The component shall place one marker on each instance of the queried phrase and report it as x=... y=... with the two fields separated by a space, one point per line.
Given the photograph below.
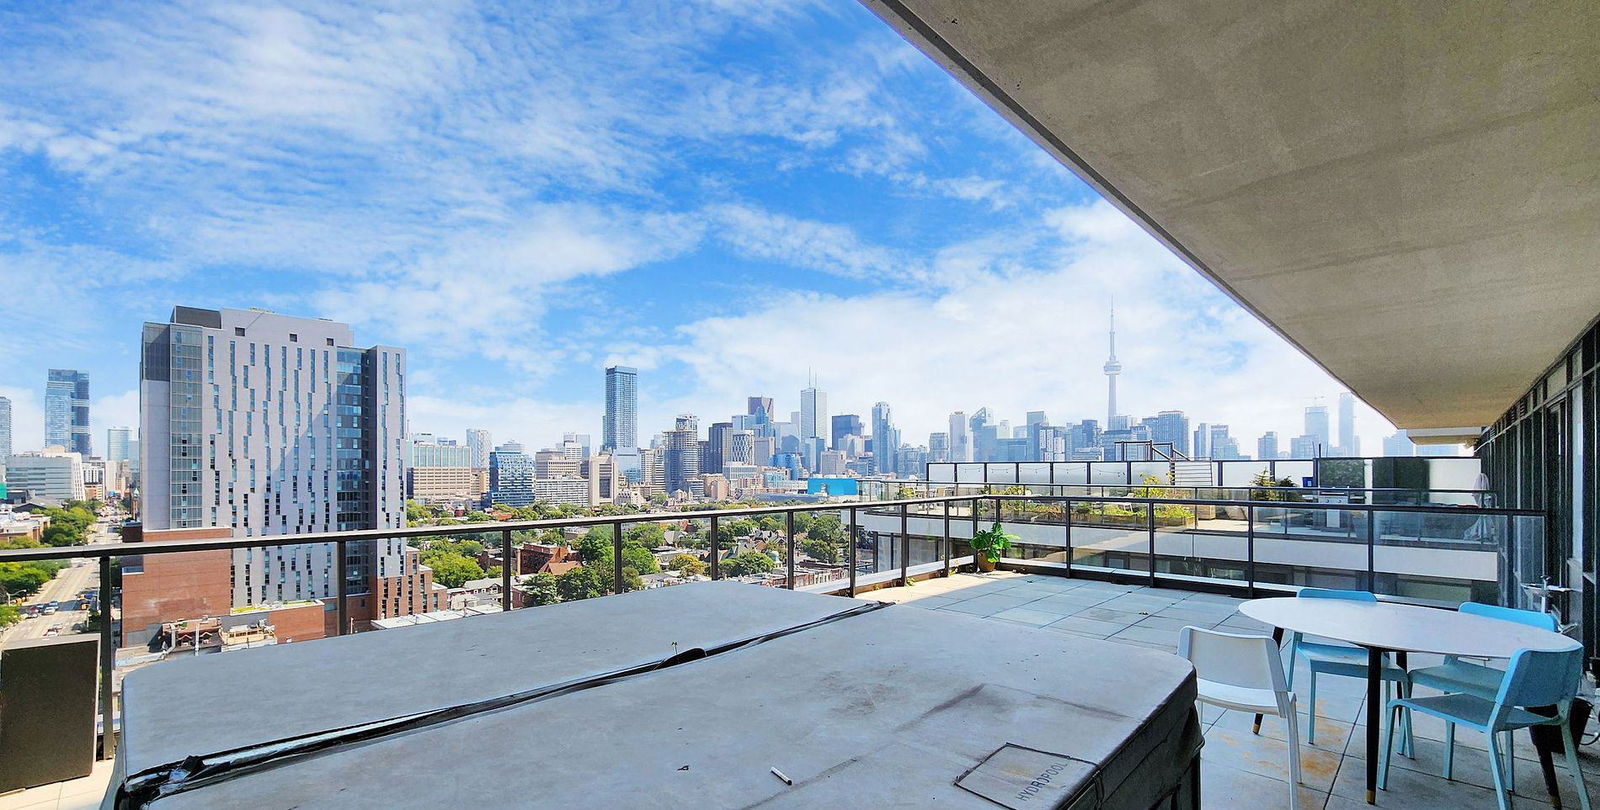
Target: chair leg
x=1495 y=768
x=1292 y=731
x=1511 y=763
x=1388 y=744
x=1449 y=750
x=1572 y=764
x=1311 y=711
x=1408 y=744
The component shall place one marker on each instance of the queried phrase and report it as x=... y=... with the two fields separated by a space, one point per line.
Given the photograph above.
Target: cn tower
x=1112 y=369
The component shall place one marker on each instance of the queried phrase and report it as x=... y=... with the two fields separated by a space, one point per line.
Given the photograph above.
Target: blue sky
x=723 y=193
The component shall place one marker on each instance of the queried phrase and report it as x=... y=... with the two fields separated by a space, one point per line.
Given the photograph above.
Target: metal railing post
x=851 y=550
x=616 y=557
x=507 y=558
x=788 y=533
x=341 y=549
x=1249 y=548
x=947 y=543
x=108 y=663
x=715 y=553
x=905 y=546
x=1372 y=539
x=974 y=527
x=1150 y=523
x=1066 y=518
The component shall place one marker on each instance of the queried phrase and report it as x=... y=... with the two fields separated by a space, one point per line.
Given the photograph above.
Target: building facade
x=49 y=473
x=268 y=425
x=66 y=411
x=621 y=427
x=5 y=427
x=511 y=474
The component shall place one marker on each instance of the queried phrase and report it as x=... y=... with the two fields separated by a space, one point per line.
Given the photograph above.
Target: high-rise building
x=1171 y=427
x=938 y=447
x=511 y=475
x=1399 y=445
x=760 y=407
x=5 y=428
x=1305 y=446
x=885 y=439
x=264 y=424
x=1112 y=369
x=844 y=424
x=960 y=437
x=118 y=441
x=1267 y=446
x=681 y=462
x=479 y=445
x=1202 y=441
x=1317 y=427
x=1349 y=442
x=1223 y=445
x=66 y=411
x=621 y=428
x=814 y=414
x=718 y=438
x=621 y=409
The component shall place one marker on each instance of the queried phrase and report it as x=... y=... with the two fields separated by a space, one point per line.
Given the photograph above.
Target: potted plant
x=988 y=545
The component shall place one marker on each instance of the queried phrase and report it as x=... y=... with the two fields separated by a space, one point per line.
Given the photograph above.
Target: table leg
x=1374 y=713
x=1277 y=640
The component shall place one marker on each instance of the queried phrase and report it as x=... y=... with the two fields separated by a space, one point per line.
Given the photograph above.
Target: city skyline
x=718 y=253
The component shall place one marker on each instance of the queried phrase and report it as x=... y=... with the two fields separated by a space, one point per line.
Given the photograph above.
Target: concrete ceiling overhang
x=1407 y=192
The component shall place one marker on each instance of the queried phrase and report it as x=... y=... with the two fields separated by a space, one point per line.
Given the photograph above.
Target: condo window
x=238 y=331
x=294 y=338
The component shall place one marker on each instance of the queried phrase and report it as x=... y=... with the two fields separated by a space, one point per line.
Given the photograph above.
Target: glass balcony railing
x=155 y=593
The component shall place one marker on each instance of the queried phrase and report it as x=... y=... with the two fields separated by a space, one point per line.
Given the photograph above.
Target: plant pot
x=983 y=563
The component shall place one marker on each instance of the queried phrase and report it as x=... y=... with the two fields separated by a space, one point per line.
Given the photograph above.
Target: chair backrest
x=1331 y=593
x=1539 y=678
x=1533 y=618
x=1235 y=659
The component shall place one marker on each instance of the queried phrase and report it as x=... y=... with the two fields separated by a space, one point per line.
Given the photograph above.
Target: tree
x=820 y=550
x=687 y=565
x=645 y=535
x=640 y=560
x=770 y=523
x=749 y=562
x=417 y=514
x=451 y=569
x=595 y=546
x=583 y=582
x=827 y=529
x=541 y=589
x=9 y=615
x=740 y=527
x=631 y=580
x=494 y=572
x=22 y=579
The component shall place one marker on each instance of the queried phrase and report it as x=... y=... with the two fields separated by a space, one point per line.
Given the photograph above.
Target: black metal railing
x=943 y=522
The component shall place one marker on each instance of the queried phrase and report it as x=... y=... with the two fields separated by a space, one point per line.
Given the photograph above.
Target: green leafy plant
x=992 y=543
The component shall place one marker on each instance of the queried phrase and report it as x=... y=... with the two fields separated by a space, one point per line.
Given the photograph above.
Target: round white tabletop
x=1406 y=628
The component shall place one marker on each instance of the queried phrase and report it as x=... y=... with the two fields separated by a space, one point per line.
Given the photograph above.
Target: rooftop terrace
x=1248 y=769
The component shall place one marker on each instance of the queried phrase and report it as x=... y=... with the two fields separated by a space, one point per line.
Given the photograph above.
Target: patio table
x=1382 y=627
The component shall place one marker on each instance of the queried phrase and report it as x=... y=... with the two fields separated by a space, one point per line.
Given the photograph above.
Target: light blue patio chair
x=1456 y=675
x=1341 y=659
x=1535 y=679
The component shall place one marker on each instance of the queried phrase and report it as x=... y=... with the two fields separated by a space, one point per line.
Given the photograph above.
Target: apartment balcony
x=1174 y=558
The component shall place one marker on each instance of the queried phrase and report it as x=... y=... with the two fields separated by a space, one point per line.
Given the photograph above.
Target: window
x=294 y=338
x=238 y=331
x=330 y=341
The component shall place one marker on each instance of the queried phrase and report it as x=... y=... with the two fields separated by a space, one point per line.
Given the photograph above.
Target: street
x=66 y=586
